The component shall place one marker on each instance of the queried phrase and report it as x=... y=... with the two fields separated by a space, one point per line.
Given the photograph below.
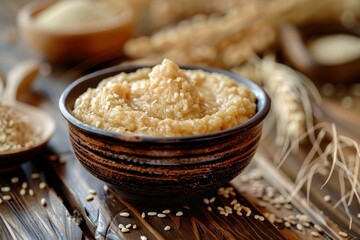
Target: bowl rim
x=27 y=13
x=263 y=103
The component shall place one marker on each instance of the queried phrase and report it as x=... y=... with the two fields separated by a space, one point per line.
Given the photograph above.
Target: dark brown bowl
x=162 y=166
x=294 y=39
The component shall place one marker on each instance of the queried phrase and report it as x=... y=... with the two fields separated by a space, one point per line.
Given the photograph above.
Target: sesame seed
x=92 y=191
x=6 y=197
x=239 y=213
x=179 y=213
x=42 y=185
x=35 y=175
x=134 y=226
x=287 y=224
x=121 y=226
x=327 y=198
x=143 y=215
x=167 y=228
x=152 y=213
x=318 y=228
x=315 y=234
x=256 y=216
x=43 y=201
x=31 y=192
x=209 y=208
x=89 y=198
x=5 y=189
x=166 y=211
x=161 y=215
x=24 y=185
x=206 y=200
x=106 y=188
x=22 y=192
x=220 y=208
x=299 y=227
x=14 y=180
x=128 y=226
x=212 y=199
x=306 y=224
x=125 y=230
x=343 y=234
x=279 y=220
x=143 y=238
x=261 y=218
x=124 y=214
x=186 y=207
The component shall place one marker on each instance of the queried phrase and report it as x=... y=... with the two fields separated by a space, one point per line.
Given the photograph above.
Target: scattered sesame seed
x=166 y=211
x=43 y=201
x=220 y=208
x=143 y=215
x=161 y=215
x=318 y=228
x=24 y=185
x=299 y=227
x=209 y=208
x=14 y=180
x=261 y=218
x=128 y=226
x=6 y=197
x=327 y=198
x=106 y=188
x=152 y=213
x=124 y=214
x=179 y=213
x=186 y=207
x=125 y=230
x=143 y=238
x=315 y=234
x=167 y=228
x=279 y=220
x=343 y=234
x=89 y=198
x=239 y=213
x=212 y=199
x=121 y=226
x=35 y=175
x=5 y=189
x=31 y=192
x=306 y=224
x=287 y=224
x=206 y=200
x=22 y=192
x=134 y=226
x=92 y=191
x=42 y=185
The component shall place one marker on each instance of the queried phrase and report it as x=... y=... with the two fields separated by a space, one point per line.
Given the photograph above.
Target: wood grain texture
x=68 y=215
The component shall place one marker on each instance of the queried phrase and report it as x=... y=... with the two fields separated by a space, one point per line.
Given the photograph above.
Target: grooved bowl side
x=162 y=166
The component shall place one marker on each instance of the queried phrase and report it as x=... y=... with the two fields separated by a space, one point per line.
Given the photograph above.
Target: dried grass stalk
x=228 y=40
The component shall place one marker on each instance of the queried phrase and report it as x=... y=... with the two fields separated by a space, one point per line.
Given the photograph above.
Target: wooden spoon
x=17 y=84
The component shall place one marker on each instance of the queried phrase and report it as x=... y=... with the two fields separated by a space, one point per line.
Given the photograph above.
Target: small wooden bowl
x=162 y=167
x=294 y=48
x=70 y=48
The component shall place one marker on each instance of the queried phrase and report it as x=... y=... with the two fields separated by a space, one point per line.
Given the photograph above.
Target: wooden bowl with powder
x=162 y=167
x=73 y=31
x=324 y=51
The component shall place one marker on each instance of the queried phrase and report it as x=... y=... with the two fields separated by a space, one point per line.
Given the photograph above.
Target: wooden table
x=79 y=206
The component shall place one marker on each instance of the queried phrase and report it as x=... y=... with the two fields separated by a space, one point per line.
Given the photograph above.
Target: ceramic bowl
x=162 y=166
x=294 y=40
x=69 y=47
